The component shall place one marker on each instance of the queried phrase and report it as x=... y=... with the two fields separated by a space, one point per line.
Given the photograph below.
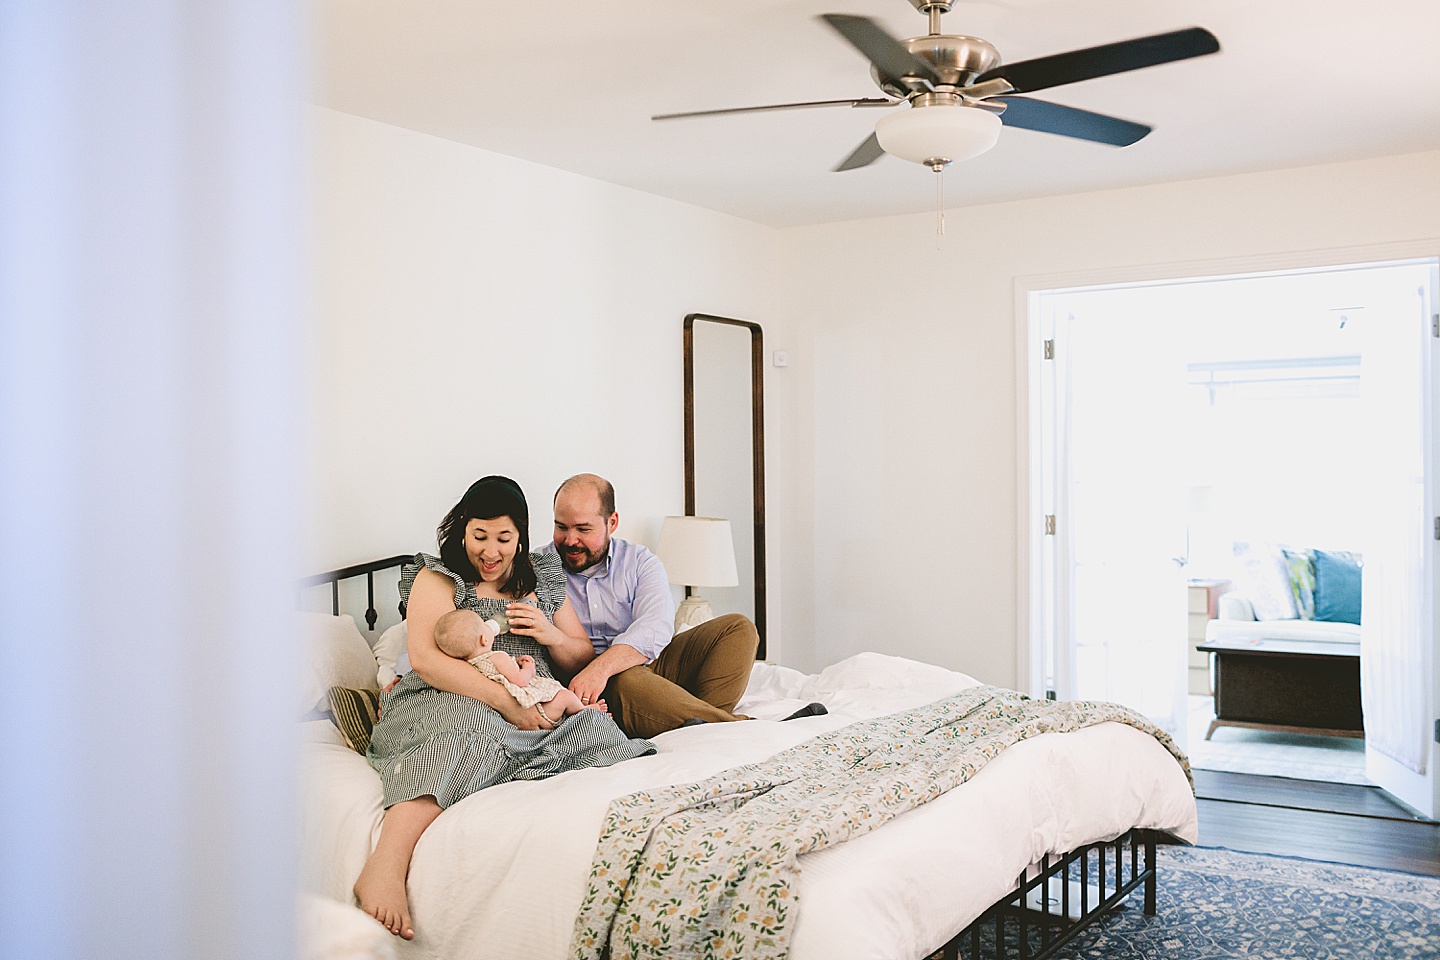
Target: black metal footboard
x=1048 y=910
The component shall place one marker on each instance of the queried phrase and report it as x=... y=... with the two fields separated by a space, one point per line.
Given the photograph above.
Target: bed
x=503 y=873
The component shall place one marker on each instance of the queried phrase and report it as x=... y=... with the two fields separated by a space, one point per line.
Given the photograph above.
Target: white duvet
x=501 y=874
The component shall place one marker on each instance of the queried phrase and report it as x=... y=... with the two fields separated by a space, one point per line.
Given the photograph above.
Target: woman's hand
x=524 y=718
x=529 y=621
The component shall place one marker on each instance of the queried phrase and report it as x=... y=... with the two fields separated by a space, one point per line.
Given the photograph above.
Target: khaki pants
x=702 y=673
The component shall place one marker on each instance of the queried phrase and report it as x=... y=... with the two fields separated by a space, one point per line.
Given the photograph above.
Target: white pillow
x=336 y=655
x=338 y=931
x=388 y=648
x=1266 y=581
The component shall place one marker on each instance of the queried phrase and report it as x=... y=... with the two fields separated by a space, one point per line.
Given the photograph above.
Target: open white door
x=1120 y=502
x=1399 y=672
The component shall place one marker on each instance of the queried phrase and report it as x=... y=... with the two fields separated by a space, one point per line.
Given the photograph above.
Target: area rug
x=1300 y=756
x=1218 y=905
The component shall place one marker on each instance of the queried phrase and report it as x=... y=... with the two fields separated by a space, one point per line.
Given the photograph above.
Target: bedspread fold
x=705 y=870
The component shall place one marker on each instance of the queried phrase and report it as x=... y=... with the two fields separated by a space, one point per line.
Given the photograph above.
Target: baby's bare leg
x=566 y=703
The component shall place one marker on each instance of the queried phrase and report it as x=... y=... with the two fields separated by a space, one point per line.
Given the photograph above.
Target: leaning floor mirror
x=725 y=450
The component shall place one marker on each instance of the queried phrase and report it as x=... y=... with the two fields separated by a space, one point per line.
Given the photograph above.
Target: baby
x=463 y=635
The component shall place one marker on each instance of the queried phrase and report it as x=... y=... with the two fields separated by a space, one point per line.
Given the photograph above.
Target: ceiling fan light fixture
x=938 y=134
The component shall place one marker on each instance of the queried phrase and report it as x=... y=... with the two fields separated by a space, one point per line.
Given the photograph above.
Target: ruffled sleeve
x=549 y=581
x=410 y=571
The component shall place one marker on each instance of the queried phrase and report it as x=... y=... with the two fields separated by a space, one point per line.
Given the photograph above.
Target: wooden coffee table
x=1294 y=686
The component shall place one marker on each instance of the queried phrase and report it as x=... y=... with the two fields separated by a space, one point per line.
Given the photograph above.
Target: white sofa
x=1236 y=621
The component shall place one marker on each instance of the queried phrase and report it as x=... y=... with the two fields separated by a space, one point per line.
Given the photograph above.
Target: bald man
x=651 y=682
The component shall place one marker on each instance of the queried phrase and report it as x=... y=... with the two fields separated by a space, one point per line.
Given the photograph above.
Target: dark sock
x=809 y=710
x=694 y=721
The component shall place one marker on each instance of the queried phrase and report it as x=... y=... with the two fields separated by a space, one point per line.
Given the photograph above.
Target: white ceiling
x=572 y=85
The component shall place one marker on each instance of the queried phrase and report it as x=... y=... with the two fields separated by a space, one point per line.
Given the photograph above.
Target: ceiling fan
x=959 y=93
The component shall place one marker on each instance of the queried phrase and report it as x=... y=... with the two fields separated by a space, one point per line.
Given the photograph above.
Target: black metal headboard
x=366 y=570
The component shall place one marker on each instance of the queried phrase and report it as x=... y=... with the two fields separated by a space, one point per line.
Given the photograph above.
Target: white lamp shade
x=698 y=551
x=940 y=132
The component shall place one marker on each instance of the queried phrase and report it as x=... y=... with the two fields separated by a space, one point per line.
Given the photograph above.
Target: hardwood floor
x=1301 y=795
x=1337 y=822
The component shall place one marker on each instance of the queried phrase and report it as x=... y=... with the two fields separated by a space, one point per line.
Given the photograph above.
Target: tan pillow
x=355 y=713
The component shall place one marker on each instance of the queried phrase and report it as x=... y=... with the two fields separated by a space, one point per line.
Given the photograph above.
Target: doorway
x=1187 y=432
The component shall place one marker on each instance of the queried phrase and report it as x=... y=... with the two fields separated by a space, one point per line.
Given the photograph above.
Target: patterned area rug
x=1299 y=756
x=1218 y=905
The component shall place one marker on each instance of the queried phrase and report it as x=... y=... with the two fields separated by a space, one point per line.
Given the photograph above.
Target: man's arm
x=651 y=628
x=653 y=611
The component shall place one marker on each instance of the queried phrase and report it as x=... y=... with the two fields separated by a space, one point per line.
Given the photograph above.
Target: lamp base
x=693 y=611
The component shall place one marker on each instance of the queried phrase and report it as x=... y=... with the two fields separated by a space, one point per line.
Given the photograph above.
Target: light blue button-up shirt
x=624 y=598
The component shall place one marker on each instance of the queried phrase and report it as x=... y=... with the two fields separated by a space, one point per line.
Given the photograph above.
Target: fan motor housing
x=958 y=60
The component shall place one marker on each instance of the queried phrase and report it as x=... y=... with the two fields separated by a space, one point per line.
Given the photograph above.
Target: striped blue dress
x=430 y=742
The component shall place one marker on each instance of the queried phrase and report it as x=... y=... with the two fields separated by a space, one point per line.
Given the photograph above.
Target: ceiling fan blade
x=863 y=155
x=889 y=55
x=1054 y=118
x=1102 y=61
x=862 y=102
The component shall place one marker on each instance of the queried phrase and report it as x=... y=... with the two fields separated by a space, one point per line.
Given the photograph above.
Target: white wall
x=482 y=314
x=905 y=421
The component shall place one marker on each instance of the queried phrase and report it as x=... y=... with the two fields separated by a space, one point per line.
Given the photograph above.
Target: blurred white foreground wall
x=151 y=178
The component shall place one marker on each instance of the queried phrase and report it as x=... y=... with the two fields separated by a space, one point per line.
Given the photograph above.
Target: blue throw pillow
x=1337 y=586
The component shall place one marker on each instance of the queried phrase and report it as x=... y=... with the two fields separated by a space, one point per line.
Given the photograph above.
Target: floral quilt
x=705 y=870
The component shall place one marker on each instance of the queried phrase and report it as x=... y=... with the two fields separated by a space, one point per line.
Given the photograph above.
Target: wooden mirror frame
x=757 y=452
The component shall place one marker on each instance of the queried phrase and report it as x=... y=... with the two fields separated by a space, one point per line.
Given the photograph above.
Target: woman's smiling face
x=491 y=546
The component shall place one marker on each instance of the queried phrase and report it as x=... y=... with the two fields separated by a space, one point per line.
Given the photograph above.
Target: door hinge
x=1437 y=731
x=1437 y=528
x=1049 y=524
x=1435 y=324
x=1049 y=349
x=1049 y=694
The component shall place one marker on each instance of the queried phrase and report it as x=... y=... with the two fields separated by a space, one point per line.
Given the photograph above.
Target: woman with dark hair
x=445 y=730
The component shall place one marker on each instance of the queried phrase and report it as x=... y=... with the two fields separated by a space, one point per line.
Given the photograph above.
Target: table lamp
x=697 y=552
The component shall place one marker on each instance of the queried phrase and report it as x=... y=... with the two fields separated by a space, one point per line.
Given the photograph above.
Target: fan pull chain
x=939 y=201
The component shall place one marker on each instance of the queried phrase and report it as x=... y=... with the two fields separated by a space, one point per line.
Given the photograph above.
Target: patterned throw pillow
x=1300 y=565
x=1266 y=579
x=355 y=713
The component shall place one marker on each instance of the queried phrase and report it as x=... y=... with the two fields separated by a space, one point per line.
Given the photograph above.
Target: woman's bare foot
x=381 y=892
x=381 y=887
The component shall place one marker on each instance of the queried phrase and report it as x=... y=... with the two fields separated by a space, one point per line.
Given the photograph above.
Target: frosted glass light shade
x=698 y=551
x=923 y=134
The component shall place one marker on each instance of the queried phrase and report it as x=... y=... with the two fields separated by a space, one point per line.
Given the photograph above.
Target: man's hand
x=589 y=684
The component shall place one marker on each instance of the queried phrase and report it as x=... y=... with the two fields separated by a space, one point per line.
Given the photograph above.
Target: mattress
x=502 y=873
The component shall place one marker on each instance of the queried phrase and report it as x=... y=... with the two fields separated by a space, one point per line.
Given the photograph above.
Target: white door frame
x=1028 y=369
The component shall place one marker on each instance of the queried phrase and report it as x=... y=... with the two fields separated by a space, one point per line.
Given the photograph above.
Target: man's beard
x=583 y=562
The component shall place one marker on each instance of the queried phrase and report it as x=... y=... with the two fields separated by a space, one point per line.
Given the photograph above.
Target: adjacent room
x=1242 y=494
